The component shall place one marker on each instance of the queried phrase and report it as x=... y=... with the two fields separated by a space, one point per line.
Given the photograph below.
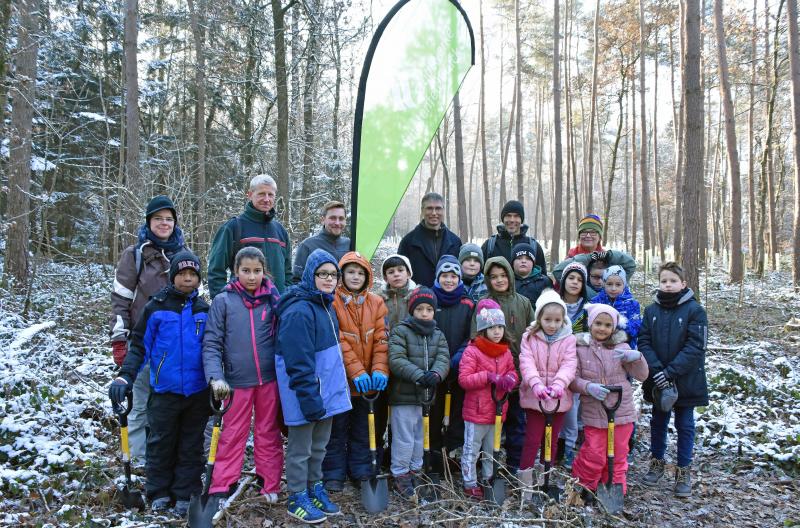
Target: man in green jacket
x=256 y=227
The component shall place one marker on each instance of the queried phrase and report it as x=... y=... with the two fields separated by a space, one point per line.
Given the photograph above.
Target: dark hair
x=602 y=264
x=507 y=335
x=432 y=197
x=392 y=262
x=250 y=252
x=675 y=268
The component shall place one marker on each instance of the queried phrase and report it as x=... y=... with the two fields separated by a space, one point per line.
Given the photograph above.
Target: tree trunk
x=659 y=223
x=19 y=177
x=133 y=179
x=5 y=22
x=309 y=95
x=751 y=190
x=484 y=162
x=693 y=143
x=736 y=267
x=794 y=64
x=557 y=168
x=679 y=139
x=506 y=146
x=593 y=118
x=614 y=151
x=518 y=144
x=282 y=145
x=461 y=195
x=646 y=218
x=634 y=159
x=198 y=31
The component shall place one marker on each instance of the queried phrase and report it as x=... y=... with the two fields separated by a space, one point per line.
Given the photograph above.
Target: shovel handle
x=447 y=400
x=610 y=410
x=219 y=407
x=123 y=410
x=549 y=414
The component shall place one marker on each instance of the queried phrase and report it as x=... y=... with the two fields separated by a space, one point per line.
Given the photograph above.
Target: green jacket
x=410 y=355
x=516 y=308
x=396 y=302
x=251 y=228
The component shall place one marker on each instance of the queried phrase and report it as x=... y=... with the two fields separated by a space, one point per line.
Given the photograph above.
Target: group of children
x=306 y=358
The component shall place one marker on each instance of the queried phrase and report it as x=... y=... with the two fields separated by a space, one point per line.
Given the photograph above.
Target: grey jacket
x=407 y=354
x=238 y=346
x=336 y=246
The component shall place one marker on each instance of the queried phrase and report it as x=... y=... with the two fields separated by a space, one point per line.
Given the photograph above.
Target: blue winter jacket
x=169 y=334
x=628 y=306
x=308 y=359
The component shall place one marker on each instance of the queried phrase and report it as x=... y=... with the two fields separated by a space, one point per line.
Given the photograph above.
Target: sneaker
x=181 y=507
x=301 y=508
x=404 y=485
x=569 y=458
x=654 y=473
x=271 y=498
x=320 y=499
x=474 y=493
x=159 y=505
x=334 y=486
x=683 y=482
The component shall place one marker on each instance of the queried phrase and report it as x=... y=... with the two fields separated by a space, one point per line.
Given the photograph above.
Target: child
x=362 y=333
x=602 y=363
x=312 y=383
x=617 y=294
x=453 y=317
x=169 y=336
x=529 y=280
x=547 y=363
x=518 y=314
x=396 y=271
x=573 y=292
x=471 y=259
x=673 y=340
x=487 y=361
x=239 y=352
x=418 y=360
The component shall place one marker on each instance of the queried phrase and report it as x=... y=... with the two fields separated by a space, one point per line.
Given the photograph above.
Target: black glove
x=430 y=379
x=661 y=380
x=600 y=255
x=118 y=390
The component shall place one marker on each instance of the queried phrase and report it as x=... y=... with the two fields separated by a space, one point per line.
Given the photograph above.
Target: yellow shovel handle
x=426 y=429
x=126 y=451
x=212 y=451
x=610 y=451
x=498 y=430
x=446 y=420
x=548 y=440
x=371 y=421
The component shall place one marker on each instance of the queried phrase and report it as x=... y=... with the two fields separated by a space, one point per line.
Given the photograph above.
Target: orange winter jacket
x=362 y=326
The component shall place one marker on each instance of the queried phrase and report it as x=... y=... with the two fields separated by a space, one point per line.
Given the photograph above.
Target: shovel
x=129 y=500
x=202 y=507
x=432 y=478
x=375 y=491
x=610 y=494
x=496 y=492
x=552 y=491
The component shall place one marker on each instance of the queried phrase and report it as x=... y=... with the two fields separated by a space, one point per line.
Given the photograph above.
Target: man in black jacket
x=429 y=241
x=511 y=232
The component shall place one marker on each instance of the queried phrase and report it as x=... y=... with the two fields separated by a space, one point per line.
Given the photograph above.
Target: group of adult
x=143 y=267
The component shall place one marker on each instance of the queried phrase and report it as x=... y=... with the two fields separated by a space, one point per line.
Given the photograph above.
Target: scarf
x=670 y=299
x=490 y=348
x=424 y=328
x=170 y=246
x=265 y=293
x=448 y=298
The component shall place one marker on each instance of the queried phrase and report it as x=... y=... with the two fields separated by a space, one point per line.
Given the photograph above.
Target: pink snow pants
x=591 y=464
x=534 y=438
x=268 y=446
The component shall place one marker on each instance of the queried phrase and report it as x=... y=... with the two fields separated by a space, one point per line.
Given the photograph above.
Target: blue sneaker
x=301 y=508
x=320 y=499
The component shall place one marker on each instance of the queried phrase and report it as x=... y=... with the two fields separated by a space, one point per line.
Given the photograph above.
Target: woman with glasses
x=142 y=271
x=590 y=234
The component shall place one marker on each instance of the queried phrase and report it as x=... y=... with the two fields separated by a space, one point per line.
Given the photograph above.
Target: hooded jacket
x=169 y=335
x=504 y=242
x=308 y=360
x=473 y=377
x=551 y=364
x=516 y=308
x=257 y=229
x=410 y=356
x=362 y=325
x=239 y=345
x=596 y=364
x=424 y=247
x=674 y=340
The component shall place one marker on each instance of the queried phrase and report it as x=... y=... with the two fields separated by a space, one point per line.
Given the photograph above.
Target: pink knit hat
x=489 y=314
x=593 y=310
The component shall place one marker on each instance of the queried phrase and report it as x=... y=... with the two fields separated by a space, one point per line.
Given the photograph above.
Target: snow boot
x=526 y=477
x=404 y=485
x=654 y=473
x=683 y=482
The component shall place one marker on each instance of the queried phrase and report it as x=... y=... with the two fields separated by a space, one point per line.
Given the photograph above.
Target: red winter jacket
x=472 y=376
x=549 y=364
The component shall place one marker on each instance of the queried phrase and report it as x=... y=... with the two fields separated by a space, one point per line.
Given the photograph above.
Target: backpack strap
x=237 y=237
x=490 y=246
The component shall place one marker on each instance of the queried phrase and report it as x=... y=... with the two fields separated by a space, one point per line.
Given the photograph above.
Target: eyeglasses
x=327 y=275
x=164 y=219
x=589 y=234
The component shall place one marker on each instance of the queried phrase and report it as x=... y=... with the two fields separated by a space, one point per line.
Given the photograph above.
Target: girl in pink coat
x=547 y=363
x=601 y=363
x=486 y=361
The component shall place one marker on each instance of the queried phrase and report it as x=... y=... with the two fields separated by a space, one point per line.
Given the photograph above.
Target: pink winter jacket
x=596 y=364
x=551 y=364
x=472 y=376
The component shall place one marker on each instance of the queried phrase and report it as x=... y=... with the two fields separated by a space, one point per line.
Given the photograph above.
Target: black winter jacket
x=532 y=286
x=454 y=322
x=674 y=340
x=424 y=247
x=500 y=245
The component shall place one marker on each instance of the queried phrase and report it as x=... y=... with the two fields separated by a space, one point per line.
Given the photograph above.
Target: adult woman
x=590 y=233
x=142 y=270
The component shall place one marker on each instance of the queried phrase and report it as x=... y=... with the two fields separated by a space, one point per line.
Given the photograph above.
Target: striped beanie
x=591 y=222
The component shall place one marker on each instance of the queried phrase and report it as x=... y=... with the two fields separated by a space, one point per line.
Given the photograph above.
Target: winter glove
x=119 y=349
x=363 y=383
x=597 y=391
x=118 y=390
x=627 y=355
x=507 y=382
x=430 y=379
x=600 y=255
x=315 y=416
x=540 y=391
x=661 y=380
x=556 y=391
x=379 y=380
x=493 y=378
x=220 y=389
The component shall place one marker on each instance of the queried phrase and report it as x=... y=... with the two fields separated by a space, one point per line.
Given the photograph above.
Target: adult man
x=256 y=227
x=429 y=241
x=330 y=238
x=512 y=231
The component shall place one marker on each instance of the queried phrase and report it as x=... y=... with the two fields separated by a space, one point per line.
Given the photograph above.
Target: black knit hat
x=184 y=260
x=513 y=206
x=522 y=249
x=157 y=203
x=419 y=296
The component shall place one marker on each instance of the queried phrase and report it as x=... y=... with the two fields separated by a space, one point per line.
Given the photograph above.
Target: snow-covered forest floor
x=59 y=461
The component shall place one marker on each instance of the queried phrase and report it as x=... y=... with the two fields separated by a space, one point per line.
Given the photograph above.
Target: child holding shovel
x=601 y=363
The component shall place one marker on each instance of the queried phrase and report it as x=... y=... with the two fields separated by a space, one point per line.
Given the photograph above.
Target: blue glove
x=363 y=383
x=379 y=380
x=119 y=390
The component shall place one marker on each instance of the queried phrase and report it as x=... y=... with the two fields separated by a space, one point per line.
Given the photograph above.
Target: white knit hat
x=549 y=296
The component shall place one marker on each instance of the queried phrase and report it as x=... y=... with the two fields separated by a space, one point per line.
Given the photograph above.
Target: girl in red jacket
x=486 y=361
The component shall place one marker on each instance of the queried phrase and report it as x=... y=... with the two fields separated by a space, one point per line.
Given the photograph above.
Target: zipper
x=160 y=364
x=255 y=350
x=333 y=327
